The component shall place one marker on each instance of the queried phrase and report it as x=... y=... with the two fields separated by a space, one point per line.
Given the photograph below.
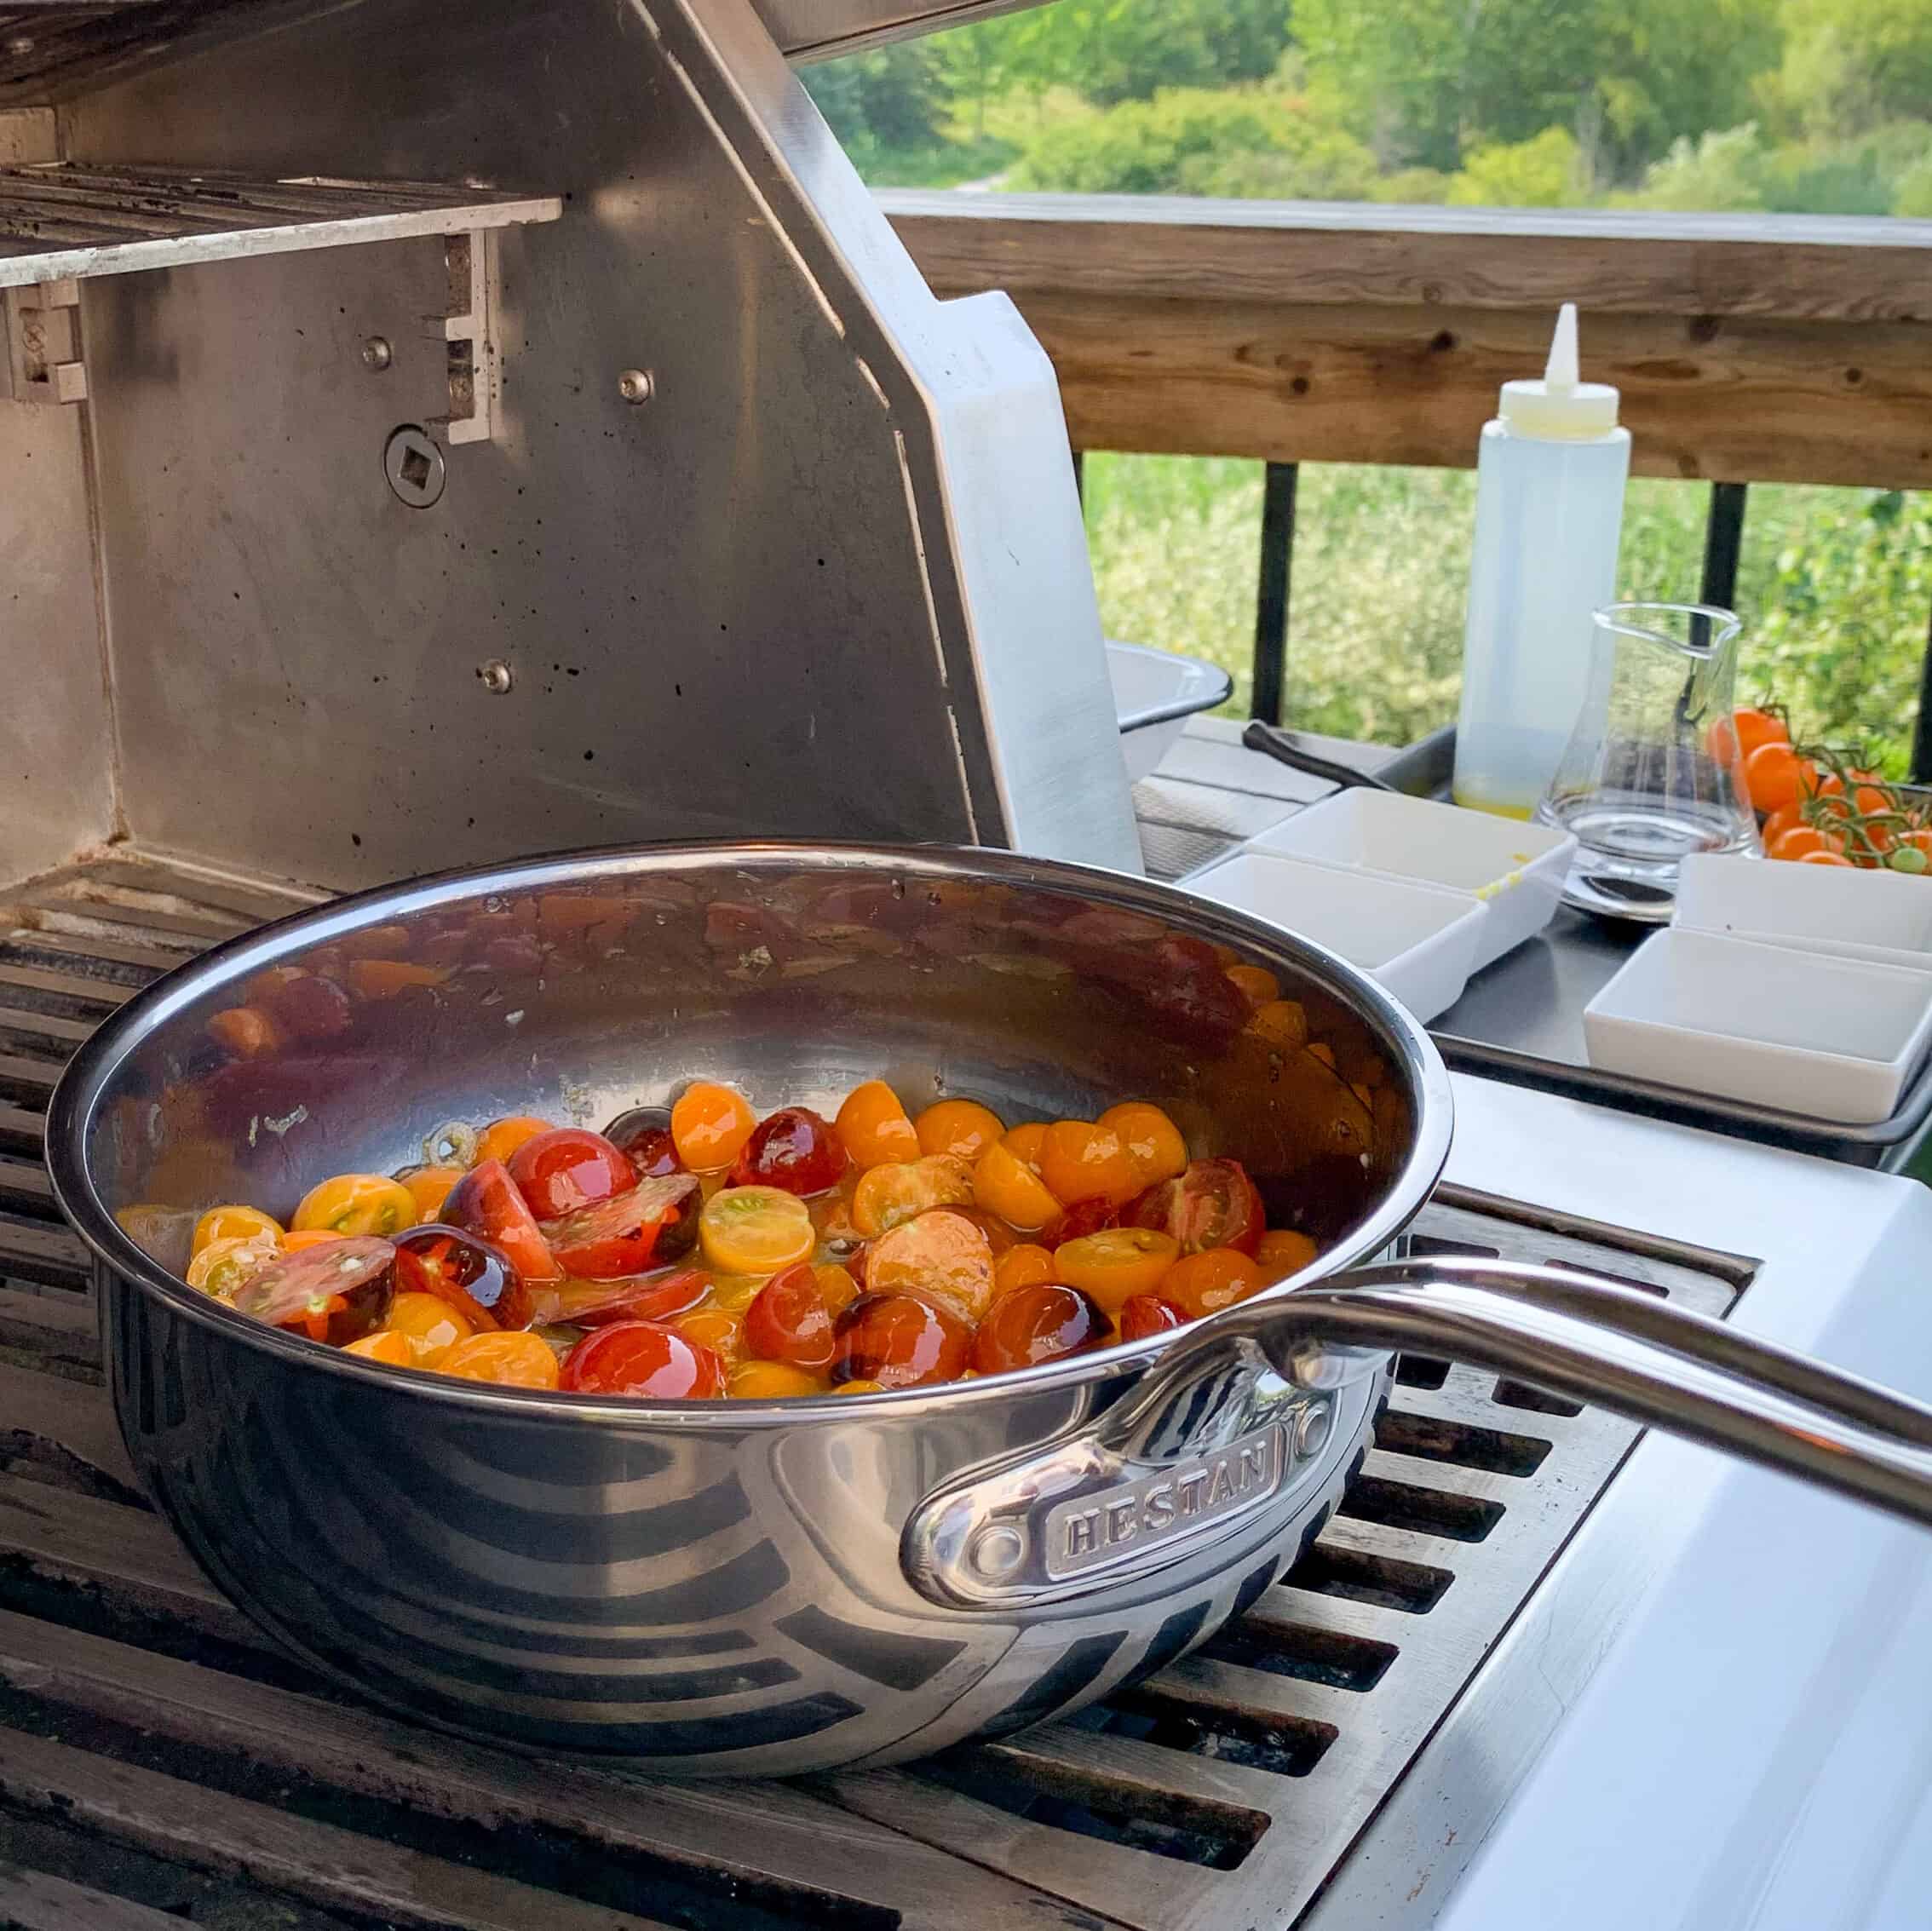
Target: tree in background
x=1849 y=65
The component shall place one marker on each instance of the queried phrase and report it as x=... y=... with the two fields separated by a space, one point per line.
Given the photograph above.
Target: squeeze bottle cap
x=1560 y=408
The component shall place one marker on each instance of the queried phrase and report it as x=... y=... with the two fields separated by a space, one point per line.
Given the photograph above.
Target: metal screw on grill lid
x=376 y=354
x=414 y=466
x=1311 y=1429
x=636 y=385
x=496 y=676
x=20 y=45
x=997 y=1550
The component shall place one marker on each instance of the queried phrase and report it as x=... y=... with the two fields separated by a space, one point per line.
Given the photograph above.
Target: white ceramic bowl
x=1155 y=693
x=1885 y=916
x=1832 y=1038
x=1419 y=941
x=1517 y=868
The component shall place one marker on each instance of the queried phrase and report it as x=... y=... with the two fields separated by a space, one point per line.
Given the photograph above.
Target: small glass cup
x=1653 y=769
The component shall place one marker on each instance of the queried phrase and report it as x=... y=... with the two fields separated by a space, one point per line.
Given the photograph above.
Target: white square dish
x=1518 y=868
x=1885 y=916
x=1832 y=1038
x=1418 y=940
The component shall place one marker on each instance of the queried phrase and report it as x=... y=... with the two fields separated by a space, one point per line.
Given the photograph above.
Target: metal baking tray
x=1520 y=1020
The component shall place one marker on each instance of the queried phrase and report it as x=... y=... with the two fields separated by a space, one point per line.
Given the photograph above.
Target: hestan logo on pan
x=1180 y=1500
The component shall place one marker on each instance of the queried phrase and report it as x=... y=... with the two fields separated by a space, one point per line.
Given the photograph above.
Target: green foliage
x=1867 y=173
x=1849 y=64
x=1718 y=172
x=1545 y=171
x=889 y=97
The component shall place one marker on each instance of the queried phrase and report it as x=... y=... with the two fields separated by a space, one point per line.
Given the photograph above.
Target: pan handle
x=1188 y=1455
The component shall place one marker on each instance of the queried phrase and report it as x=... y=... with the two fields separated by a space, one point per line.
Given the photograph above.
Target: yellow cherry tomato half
x=963 y=1128
x=1256 y=984
x=223 y=1266
x=1117 y=1263
x=873 y=1128
x=234 y=1223
x=386 y=1345
x=361 y=1203
x=938 y=1257
x=1024 y=1265
x=1282 y=1251
x=1004 y=1184
x=771 y=1381
x=1026 y=1142
x=709 y=1124
x=888 y=1195
x=861 y=1387
x=511 y=1358
x=430 y=1187
x=1152 y=1142
x=756 y=1230
x=429 y=1324
x=502 y=1138
x=717 y=1329
x=1205 y=1283
x=1281 y=1022
x=1081 y=1160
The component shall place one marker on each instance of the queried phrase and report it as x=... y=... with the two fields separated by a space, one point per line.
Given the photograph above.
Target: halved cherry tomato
x=485 y=1201
x=303 y=1004
x=1026 y=1142
x=1025 y=1266
x=337 y=1292
x=1089 y=1216
x=941 y=1256
x=656 y=1221
x=643 y=1137
x=887 y=1195
x=1281 y=1022
x=246 y=1032
x=1776 y=776
x=559 y=1171
x=1080 y=1160
x=510 y=1360
x=756 y=1230
x=1823 y=858
x=430 y=1187
x=873 y=1128
x=1212 y=1204
x=709 y=1124
x=715 y=1327
x=224 y=1266
x=469 y=1274
x=1152 y=1142
x=598 y=1303
x=900 y=1340
x=355 y=1203
x=234 y=1224
x=1205 y=1283
x=961 y=1127
x=395 y=1350
x=429 y=1323
x=643 y=1360
x=382 y=978
x=1146 y=1314
x=1004 y=1184
x=772 y=1381
x=296 y=1243
x=789 y=1319
x=1256 y=984
x=1282 y=1251
x=1118 y=1263
x=859 y=1387
x=502 y=1138
x=1037 y=1323
x=792 y=1148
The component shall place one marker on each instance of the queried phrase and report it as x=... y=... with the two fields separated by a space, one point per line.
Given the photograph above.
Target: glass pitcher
x=1652 y=769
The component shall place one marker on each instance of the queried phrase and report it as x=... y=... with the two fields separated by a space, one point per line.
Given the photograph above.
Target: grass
x=1835 y=588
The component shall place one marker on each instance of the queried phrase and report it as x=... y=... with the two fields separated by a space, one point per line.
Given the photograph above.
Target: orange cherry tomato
x=430 y=1187
x=1037 y=1323
x=234 y=1224
x=900 y=1340
x=1082 y=1160
x=502 y=1138
x=1256 y=984
x=874 y=1127
x=294 y=1243
x=246 y=1032
x=1747 y=729
x=1025 y=1266
x=509 y=1358
x=1281 y=1022
x=1803 y=838
x=1787 y=817
x=1205 y=1283
x=355 y=1203
x=382 y=978
x=1776 y=776
x=709 y=1124
x=963 y=1128
x=1152 y=1142
x=756 y=1230
x=1026 y=1142
x=385 y=1345
x=1824 y=858
x=1282 y=1251
x=887 y=1195
x=772 y=1381
x=430 y=1325
x=859 y=1387
x=938 y=1257
x=1117 y=1263
x=1004 y=1184
x=715 y=1328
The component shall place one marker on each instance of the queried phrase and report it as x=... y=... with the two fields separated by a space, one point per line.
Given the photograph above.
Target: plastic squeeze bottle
x=1550 y=472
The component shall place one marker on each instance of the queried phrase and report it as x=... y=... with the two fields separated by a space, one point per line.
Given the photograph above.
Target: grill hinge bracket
x=469 y=326
x=40 y=343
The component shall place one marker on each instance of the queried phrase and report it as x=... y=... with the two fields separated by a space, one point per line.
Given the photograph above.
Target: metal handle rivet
x=1311 y=1430
x=636 y=385
x=496 y=676
x=997 y=1550
x=376 y=354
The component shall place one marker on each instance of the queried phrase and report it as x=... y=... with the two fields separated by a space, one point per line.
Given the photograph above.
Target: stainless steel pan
x=769 y=1588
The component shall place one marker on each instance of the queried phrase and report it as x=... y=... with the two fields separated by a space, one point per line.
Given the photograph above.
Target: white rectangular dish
x=1418 y=940
x=1517 y=868
x=1885 y=916
x=1834 y=1039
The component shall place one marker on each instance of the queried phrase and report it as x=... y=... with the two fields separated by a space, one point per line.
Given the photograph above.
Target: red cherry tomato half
x=566 y=1169
x=789 y=1320
x=1087 y=1216
x=1212 y=1204
x=643 y=1137
x=639 y=1359
x=1041 y=1322
x=599 y=1303
x=336 y=1292
x=473 y=1277
x=1148 y=1314
x=793 y=1149
x=899 y=1341
x=486 y=1202
x=656 y=1221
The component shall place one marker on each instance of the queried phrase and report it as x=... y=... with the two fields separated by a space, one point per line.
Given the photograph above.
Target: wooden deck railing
x=1748 y=348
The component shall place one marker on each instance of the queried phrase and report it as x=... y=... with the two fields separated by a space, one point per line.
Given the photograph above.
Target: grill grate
x=156 y=1757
